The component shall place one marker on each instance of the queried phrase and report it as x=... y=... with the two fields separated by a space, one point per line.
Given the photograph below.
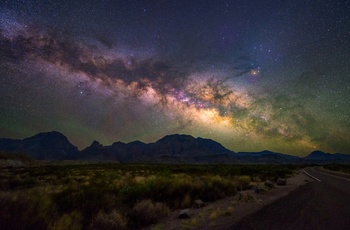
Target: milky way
x=253 y=77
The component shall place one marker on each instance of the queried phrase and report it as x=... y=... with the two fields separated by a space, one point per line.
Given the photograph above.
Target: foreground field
x=115 y=196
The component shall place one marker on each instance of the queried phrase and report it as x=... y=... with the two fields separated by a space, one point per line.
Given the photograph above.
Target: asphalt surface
x=316 y=205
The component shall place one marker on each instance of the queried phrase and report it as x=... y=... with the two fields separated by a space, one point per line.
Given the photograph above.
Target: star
x=260 y=76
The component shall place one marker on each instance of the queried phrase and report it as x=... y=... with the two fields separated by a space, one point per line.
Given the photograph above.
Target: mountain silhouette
x=43 y=146
x=320 y=157
x=175 y=149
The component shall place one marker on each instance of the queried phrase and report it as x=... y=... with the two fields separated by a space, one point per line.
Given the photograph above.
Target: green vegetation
x=338 y=168
x=116 y=196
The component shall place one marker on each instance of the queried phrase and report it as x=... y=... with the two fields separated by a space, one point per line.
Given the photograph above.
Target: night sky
x=252 y=75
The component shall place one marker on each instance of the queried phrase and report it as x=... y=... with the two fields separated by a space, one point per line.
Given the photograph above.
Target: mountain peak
x=322 y=156
x=48 y=135
x=181 y=144
x=95 y=144
x=176 y=137
x=317 y=154
x=45 y=146
x=139 y=143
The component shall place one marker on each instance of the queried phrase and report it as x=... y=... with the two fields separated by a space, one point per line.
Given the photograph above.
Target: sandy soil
x=224 y=213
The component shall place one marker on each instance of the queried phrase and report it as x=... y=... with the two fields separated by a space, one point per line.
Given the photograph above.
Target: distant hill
x=43 y=146
x=174 y=149
x=320 y=157
x=267 y=157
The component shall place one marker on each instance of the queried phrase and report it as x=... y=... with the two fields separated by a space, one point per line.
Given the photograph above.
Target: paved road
x=321 y=204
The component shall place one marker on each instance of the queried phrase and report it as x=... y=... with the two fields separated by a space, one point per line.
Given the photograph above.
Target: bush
x=186 y=201
x=111 y=221
x=147 y=212
x=71 y=221
x=24 y=211
x=244 y=182
x=246 y=196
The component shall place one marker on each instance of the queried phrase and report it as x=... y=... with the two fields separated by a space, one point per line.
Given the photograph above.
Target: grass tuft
x=110 y=221
x=148 y=212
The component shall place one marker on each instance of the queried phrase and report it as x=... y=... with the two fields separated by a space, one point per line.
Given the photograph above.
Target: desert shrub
x=228 y=211
x=70 y=221
x=180 y=185
x=25 y=211
x=186 y=201
x=88 y=200
x=110 y=221
x=217 y=187
x=173 y=191
x=244 y=182
x=14 y=182
x=29 y=182
x=148 y=212
x=246 y=196
x=214 y=214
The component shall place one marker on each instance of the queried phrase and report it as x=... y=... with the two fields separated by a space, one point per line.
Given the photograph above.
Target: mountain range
x=174 y=149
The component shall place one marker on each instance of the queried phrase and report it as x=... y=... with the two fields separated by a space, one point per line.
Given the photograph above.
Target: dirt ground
x=224 y=213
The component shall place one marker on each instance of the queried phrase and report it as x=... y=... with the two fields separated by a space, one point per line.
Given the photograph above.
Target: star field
x=251 y=75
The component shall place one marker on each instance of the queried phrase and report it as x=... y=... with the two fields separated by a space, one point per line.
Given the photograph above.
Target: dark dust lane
x=316 y=205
